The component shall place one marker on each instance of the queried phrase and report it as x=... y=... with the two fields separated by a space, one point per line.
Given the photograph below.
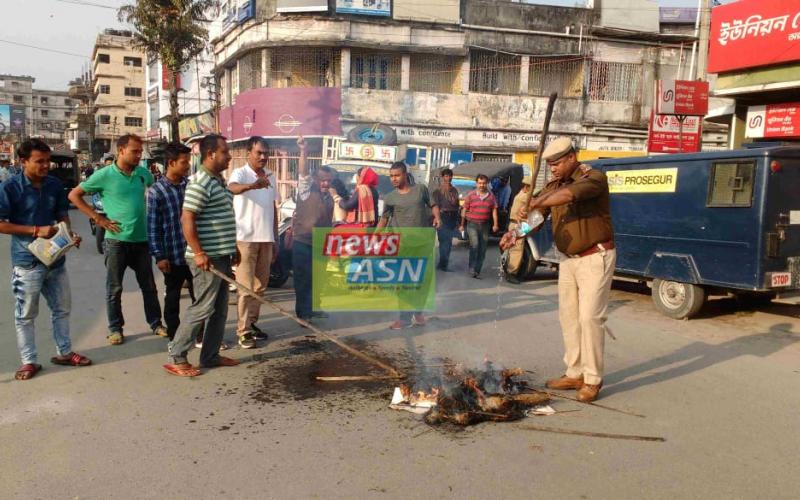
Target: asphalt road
x=722 y=390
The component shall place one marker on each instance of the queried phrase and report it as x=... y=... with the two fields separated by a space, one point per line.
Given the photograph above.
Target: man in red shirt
x=480 y=207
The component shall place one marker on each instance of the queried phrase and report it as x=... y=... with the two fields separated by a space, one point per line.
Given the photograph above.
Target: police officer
x=516 y=252
x=577 y=200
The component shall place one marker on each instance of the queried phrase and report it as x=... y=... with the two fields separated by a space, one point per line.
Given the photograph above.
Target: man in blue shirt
x=165 y=233
x=30 y=204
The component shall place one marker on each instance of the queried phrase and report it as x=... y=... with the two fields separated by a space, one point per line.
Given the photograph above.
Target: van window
x=731 y=184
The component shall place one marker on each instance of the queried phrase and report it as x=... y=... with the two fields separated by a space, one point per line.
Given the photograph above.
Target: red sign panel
x=682 y=97
x=665 y=134
x=165 y=74
x=267 y=112
x=773 y=120
x=751 y=33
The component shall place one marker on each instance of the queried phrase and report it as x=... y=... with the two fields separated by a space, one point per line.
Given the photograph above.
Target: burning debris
x=463 y=396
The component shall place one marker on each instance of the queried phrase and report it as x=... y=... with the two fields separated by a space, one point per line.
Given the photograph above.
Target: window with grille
x=104 y=89
x=563 y=75
x=132 y=61
x=104 y=119
x=133 y=121
x=133 y=92
x=45 y=113
x=19 y=99
x=304 y=67
x=610 y=81
x=43 y=100
x=375 y=70
x=731 y=184
x=435 y=73
x=103 y=58
x=494 y=72
x=250 y=71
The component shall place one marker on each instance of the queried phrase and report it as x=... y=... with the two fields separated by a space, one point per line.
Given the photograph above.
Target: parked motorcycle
x=98 y=232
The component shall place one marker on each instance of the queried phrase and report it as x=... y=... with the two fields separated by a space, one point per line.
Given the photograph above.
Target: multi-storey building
x=80 y=129
x=118 y=88
x=51 y=111
x=16 y=91
x=471 y=75
x=194 y=99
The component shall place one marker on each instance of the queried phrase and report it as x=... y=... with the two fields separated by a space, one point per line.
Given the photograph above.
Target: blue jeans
x=210 y=308
x=27 y=284
x=478 y=233
x=119 y=256
x=445 y=234
x=301 y=272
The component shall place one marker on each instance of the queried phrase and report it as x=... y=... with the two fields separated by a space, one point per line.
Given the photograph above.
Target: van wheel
x=678 y=300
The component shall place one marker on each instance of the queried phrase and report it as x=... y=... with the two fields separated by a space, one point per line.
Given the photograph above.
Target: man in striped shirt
x=480 y=207
x=164 y=231
x=209 y=226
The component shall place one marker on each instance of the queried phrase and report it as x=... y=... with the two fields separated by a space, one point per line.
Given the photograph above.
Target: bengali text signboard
x=773 y=120
x=752 y=33
x=665 y=135
x=681 y=97
x=364 y=7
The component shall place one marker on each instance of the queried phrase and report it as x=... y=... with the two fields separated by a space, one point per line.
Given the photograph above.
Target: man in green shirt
x=209 y=226
x=122 y=186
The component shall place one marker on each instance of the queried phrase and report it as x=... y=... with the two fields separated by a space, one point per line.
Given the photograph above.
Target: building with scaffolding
x=471 y=75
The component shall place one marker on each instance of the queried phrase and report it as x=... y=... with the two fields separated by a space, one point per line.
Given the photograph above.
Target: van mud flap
x=673 y=267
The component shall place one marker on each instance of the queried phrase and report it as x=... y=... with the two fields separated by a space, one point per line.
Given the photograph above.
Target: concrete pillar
x=737 y=128
x=405 y=72
x=465 y=72
x=266 y=68
x=524 y=74
x=345 y=67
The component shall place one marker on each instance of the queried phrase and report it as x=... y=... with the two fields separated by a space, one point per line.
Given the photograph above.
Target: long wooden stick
x=542 y=142
x=555 y=395
x=369 y=359
x=356 y=378
x=592 y=434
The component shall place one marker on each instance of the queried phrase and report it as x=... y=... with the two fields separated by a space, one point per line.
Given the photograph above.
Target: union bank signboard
x=753 y=33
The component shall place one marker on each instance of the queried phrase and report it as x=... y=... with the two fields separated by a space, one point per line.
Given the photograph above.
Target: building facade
x=118 y=88
x=754 y=50
x=194 y=97
x=471 y=75
x=51 y=111
x=16 y=92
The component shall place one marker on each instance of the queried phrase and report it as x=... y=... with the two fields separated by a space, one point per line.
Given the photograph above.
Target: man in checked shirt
x=164 y=231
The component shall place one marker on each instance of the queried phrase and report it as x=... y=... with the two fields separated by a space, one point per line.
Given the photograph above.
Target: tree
x=174 y=31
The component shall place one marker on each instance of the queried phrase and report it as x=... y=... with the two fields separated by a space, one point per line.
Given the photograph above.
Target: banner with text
x=773 y=120
x=355 y=269
x=365 y=7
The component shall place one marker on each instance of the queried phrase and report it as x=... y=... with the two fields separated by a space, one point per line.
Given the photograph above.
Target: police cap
x=558 y=148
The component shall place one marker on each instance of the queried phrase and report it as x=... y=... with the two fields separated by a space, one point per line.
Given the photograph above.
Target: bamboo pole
x=555 y=395
x=538 y=162
x=556 y=430
x=395 y=374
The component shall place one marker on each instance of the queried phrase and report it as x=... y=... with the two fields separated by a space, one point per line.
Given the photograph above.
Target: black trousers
x=173 y=282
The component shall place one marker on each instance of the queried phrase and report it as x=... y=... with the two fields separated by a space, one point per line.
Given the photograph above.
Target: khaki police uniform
x=582 y=230
x=515 y=253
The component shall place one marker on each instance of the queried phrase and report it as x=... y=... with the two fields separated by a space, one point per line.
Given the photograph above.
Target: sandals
x=182 y=370
x=116 y=338
x=27 y=371
x=72 y=359
x=223 y=361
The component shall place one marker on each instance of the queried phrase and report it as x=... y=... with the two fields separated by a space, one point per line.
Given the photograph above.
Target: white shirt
x=255 y=209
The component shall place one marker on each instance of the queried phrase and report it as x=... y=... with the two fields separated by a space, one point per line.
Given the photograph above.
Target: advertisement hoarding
x=5 y=119
x=364 y=7
x=681 y=97
x=752 y=33
x=773 y=120
x=665 y=135
x=18 y=120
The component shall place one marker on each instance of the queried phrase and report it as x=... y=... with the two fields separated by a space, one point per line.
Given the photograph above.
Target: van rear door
x=781 y=221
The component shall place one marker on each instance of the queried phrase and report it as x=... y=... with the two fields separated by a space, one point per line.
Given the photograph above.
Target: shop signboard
x=681 y=97
x=165 y=75
x=18 y=120
x=288 y=6
x=365 y=7
x=667 y=135
x=773 y=120
x=5 y=119
x=752 y=33
x=372 y=152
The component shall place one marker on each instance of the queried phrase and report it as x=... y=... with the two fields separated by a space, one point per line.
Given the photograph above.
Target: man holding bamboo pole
x=578 y=201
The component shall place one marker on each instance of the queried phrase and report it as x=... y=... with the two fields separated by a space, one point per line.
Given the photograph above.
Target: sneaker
x=418 y=320
x=247 y=341
x=476 y=275
x=160 y=331
x=399 y=325
x=258 y=333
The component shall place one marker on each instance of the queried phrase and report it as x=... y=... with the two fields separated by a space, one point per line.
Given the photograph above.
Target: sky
x=71 y=26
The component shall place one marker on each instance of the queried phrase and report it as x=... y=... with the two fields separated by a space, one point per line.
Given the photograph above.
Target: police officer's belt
x=600 y=247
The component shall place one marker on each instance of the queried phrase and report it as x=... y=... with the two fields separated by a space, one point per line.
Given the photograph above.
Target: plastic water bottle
x=535 y=218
